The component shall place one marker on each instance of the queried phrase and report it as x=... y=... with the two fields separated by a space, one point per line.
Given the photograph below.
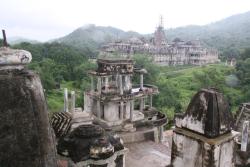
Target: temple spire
x=161 y=24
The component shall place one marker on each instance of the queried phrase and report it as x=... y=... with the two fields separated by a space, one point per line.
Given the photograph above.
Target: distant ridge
x=227 y=35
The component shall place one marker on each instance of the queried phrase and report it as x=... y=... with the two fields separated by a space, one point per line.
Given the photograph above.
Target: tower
x=159 y=35
x=120 y=106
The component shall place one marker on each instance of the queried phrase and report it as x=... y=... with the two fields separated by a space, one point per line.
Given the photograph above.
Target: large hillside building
x=177 y=52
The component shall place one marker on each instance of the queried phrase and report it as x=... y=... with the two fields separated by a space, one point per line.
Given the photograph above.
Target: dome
x=208 y=114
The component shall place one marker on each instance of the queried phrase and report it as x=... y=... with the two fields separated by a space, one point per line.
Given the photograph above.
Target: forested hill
x=229 y=35
x=91 y=37
x=232 y=33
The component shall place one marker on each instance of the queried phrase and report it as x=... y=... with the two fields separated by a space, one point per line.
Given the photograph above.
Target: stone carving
x=10 y=56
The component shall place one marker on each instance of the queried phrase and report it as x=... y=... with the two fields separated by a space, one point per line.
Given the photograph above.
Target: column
x=150 y=101
x=106 y=83
x=98 y=109
x=161 y=133
x=120 y=85
x=131 y=110
x=99 y=85
x=121 y=110
x=141 y=81
x=141 y=104
x=66 y=103
x=92 y=83
x=73 y=101
x=244 y=137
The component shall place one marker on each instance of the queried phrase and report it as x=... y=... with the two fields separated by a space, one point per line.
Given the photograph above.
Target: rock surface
x=26 y=138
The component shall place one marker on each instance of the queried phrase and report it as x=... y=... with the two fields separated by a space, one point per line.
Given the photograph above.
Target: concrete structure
x=118 y=105
x=243 y=115
x=203 y=136
x=81 y=143
x=26 y=138
x=177 y=52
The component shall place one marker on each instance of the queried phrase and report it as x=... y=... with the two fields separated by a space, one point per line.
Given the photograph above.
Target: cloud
x=46 y=19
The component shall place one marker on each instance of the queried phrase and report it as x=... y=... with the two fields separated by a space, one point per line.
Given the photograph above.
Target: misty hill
x=91 y=37
x=228 y=35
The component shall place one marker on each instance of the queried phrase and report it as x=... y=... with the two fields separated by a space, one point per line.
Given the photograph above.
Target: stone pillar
x=106 y=83
x=150 y=101
x=131 y=110
x=66 y=101
x=120 y=85
x=141 y=81
x=121 y=110
x=161 y=134
x=244 y=136
x=99 y=85
x=98 y=108
x=73 y=101
x=141 y=104
x=156 y=135
x=92 y=84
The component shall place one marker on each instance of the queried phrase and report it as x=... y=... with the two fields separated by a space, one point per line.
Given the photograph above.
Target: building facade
x=177 y=52
x=119 y=105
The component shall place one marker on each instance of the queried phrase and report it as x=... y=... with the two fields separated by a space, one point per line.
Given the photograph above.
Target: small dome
x=208 y=114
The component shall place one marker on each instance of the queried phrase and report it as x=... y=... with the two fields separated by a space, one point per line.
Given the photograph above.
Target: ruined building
x=26 y=138
x=243 y=117
x=119 y=105
x=177 y=52
x=115 y=112
x=203 y=135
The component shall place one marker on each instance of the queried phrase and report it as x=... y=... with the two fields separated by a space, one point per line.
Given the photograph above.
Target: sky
x=48 y=19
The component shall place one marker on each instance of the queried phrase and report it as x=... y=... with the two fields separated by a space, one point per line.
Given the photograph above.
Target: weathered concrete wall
x=193 y=150
x=111 y=111
x=25 y=134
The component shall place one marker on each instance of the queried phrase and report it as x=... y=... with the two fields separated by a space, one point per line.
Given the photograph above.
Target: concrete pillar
x=66 y=102
x=151 y=101
x=92 y=83
x=141 y=104
x=98 y=108
x=120 y=85
x=99 y=85
x=244 y=137
x=73 y=101
x=131 y=110
x=156 y=135
x=121 y=110
x=106 y=83
x=161 y=134
x=141 y=81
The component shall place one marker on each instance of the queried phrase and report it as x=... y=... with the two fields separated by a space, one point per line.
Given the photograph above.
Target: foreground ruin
x=26 y=138
x=112 y=100
x=203 y=136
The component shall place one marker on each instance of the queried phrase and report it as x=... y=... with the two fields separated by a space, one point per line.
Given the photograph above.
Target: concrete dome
x=208 y=114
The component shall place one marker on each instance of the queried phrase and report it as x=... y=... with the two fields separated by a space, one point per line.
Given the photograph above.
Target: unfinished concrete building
x=203 y=135
x=177 y=52
x=119 y=105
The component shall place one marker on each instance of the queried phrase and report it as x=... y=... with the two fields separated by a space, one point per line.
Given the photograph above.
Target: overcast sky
x=47 y=19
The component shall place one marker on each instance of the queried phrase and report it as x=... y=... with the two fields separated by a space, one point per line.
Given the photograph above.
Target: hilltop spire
x=161 y=24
